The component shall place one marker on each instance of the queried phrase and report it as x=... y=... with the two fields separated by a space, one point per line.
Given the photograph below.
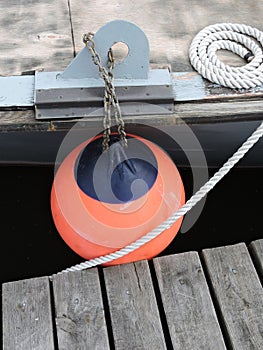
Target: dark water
x=31 y=246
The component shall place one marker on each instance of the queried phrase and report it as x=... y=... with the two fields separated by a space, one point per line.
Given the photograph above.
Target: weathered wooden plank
x=79 y=311
x=238 y=293
x=134 y=313
x=189 y=112
x=256 y=248
x=34 y=35
x=189 y=310
x=194 y=112
x=18 y=120
x=191 y=86
x=170 y=25
x=27 y=320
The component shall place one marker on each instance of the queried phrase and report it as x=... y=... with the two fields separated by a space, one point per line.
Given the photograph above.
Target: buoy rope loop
x=241 y=39
x=190 y=203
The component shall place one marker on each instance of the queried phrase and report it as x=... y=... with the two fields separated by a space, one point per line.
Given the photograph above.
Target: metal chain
x=110 y=97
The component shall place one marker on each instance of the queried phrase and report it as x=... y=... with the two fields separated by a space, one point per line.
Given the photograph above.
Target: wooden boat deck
x=185 y=301
x=46 y=34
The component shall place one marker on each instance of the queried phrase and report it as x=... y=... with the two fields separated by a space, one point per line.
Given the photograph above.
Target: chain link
x=110 y=97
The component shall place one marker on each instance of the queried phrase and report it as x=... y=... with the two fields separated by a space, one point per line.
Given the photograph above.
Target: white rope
x=245 y=41
x=203 y=191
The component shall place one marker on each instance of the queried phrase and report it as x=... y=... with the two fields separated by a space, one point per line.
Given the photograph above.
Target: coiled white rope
x=202 y=57
x=245 y=41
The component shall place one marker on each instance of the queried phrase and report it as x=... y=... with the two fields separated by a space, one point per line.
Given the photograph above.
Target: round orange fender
x=103 y=201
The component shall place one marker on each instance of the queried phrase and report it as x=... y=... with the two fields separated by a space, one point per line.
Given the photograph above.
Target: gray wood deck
x=44 y=34
x=187 y=301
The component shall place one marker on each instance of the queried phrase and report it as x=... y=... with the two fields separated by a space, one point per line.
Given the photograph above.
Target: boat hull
x=215 y=141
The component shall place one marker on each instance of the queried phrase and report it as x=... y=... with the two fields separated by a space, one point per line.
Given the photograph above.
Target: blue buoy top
x=118 y=175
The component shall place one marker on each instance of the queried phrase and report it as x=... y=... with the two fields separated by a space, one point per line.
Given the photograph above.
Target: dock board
x=29 y=324
x=238 y=294
x=79 y=311
x=256 y=248
x=187 y=303
x=212 y=300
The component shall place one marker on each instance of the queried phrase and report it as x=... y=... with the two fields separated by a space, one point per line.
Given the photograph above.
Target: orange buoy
x=103 y=201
